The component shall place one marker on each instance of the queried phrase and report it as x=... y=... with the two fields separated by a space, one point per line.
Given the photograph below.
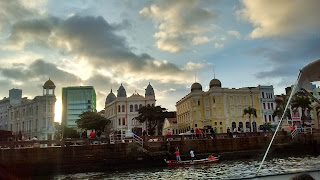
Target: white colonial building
x=30 y=117
x=122 y=110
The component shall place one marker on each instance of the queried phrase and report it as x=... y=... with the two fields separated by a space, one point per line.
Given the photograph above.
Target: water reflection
x=222 y=170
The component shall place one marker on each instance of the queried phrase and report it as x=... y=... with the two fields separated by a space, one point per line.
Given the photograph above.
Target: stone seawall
x=29 y=162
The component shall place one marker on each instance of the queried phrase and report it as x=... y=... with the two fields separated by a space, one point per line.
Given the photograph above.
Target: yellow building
x=218 y=108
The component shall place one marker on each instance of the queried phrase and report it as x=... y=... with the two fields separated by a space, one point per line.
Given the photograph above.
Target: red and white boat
x=192 y=162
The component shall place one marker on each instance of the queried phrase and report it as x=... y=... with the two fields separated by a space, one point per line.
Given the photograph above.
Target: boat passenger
x=177 y=153
x=211 y=157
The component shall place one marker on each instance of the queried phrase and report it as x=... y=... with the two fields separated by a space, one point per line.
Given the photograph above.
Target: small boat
x=193 y=162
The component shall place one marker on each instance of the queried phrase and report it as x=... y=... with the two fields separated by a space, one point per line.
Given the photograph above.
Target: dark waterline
x=222 y=170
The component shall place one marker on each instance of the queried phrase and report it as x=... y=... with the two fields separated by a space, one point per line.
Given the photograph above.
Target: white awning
x=309 y=73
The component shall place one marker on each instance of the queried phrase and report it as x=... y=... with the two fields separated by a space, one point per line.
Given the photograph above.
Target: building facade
x=122 y=110
x=30 y=117
x=76 y=100
x=220 y=108
x=268 y=104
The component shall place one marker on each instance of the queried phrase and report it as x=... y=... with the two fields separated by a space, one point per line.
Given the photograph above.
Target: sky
x=169 y=44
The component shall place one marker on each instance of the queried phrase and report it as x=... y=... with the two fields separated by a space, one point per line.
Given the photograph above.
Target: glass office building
x=76 y=100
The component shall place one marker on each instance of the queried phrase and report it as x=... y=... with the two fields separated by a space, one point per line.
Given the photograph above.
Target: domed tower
x=196 y=87
x=215 y=83
x=48 y=88
x=121 y=92
x=149 y=91
x=111 y=97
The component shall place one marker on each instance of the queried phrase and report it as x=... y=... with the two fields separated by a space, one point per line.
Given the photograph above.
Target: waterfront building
x=222 y=108
x=267 y=104
x=122 y=110
x=30 y=117
x=170 y=125
x=76 y=100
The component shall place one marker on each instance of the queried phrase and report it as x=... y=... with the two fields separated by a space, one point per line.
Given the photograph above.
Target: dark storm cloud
x=90 y=37
x=38 y=69
x=289 y=55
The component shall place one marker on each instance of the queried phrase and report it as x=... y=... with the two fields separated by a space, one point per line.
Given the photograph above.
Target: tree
x=92 y=120
x=251 y=112
x=69 y=132
x=301 y=100
x=153 y=116
x=280 y=106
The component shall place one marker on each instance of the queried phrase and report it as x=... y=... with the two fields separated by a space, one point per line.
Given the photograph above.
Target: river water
x=222 y=170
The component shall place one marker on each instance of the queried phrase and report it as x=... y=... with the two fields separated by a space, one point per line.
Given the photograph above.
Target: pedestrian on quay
x=177 y=153
x=92 y=134
x=192 y=155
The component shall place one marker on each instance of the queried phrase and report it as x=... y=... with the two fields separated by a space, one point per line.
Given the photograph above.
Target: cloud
x=39 y=70
x=234 y=33
x=281 y=18
x=218 y=45
x=92 y=39
x=179 y=23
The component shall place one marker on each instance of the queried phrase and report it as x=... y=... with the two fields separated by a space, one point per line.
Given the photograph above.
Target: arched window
x=119 y=109
x=140 y=106
x=131 y=108
x=123 y=108
x=136 y=107
x=269 y=118
x=248 y=126
x=241 y=125
x=254 y=126
x=234 y=125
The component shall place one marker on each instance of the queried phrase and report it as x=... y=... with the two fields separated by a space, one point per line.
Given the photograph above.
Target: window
x=119 y=108
x=231 y=99
x=270 y=118
x=207 y=113
x=213 y=100
x=271 y=105
x=119 y=121
x=131 y=108
x=244 y=99
x=238 y=99
x=265 y=118
x=123 y=121
x=123 y=108
x=262 y=94
x=44 y=107
x=136 y=107
x=140 y=106
x=89 y=107
x=196 y=125
x=215 y=123
x=206 y=102
x=232 y=111
x=241 y=125
x=264 y=105
x=220 y=123
x=198 y=102
x=89 y=101
x=268 y=105
x=239 y=111
x=234 y=125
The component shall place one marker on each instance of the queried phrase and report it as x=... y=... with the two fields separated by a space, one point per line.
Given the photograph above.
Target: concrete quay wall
x=28 y=162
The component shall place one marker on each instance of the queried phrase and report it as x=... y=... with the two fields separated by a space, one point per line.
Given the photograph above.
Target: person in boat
x=177 y=153
x=211 y=157
x=192 y=154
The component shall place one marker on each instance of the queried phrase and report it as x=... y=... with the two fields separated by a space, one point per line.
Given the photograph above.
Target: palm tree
x=251 y=112
x=302 y=101
x=280 y=106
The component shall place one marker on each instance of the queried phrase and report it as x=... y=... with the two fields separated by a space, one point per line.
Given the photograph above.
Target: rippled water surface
x=221 y=170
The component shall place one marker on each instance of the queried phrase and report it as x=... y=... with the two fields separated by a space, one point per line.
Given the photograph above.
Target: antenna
x=214 y=75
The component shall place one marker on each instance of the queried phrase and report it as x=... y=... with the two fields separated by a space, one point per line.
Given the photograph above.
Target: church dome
x=196 y=87
x=49 y=83
x=149 y=90
x=121 y=92
x=111 y=97
x=215 y=83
